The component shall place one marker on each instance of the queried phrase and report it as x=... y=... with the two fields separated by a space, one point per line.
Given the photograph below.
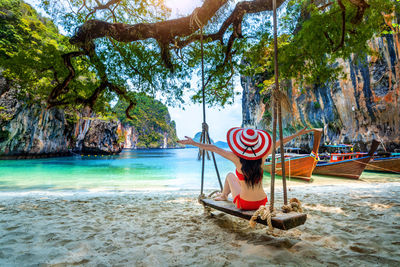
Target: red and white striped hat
x=248 y=143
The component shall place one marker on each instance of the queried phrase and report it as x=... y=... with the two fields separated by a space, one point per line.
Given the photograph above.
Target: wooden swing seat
x=283 y=221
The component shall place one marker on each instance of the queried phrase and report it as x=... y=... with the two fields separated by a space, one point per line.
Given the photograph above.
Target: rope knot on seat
x=294 y=205
x=265 y=214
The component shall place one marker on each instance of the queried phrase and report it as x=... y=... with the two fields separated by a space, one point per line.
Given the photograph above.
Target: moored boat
x=388 y=162
x=299 y=166
x=348 y=165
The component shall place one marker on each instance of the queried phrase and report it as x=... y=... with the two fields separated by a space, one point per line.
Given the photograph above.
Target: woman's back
x=250 y=174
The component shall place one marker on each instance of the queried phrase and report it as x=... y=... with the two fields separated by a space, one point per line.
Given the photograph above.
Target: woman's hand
x=188 y=141
x=303 y=131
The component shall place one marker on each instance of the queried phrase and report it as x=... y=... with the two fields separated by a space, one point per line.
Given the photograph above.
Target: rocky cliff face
x=363 y=106
x=159 y=138
x=31 y=130
x=95 y=136
x=28 y=131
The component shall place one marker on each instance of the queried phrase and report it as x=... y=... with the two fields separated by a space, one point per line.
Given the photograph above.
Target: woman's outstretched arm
x=224 y=153
x=290 y=138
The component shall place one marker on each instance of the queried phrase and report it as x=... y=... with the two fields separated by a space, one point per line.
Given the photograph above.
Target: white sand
x=349 y=224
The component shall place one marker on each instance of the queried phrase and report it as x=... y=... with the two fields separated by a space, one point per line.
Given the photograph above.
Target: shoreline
x=23 y=156
x=36 y=156
x=98 y=192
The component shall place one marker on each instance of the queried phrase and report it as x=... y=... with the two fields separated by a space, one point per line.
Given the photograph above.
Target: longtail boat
x=348 y=165
x=388 y=162
x=301 y=166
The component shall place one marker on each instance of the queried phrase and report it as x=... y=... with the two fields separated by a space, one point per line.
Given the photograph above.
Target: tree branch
x=122 y=93
x=101 y=6
x=166 y=31
x=361 y=7
x=130 y=64
x=325 y=6
x=343 y=8
x=92 y=99
x=62 y=88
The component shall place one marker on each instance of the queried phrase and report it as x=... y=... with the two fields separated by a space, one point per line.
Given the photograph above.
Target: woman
x=250 y=148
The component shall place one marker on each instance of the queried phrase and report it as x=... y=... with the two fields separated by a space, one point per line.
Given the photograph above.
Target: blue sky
x=189 y=120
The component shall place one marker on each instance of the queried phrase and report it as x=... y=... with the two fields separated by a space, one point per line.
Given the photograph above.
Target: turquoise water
x=159 y=169
x=171 y=169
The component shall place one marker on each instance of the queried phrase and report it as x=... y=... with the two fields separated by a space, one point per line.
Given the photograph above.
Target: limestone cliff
x=158 y=138
x=363 y=106
x=93 y=135
x=150 y=127
x=30 y=130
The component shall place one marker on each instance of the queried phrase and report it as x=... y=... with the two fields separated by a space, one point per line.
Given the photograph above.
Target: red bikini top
x=239 y=176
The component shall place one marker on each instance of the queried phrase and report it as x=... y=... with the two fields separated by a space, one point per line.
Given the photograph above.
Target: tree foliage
x=315 y=35
x=31 y=56
x=133 y=46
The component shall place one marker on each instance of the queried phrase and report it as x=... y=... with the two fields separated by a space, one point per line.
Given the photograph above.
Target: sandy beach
x=350 y=223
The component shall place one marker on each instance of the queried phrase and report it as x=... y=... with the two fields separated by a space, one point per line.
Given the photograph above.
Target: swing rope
x=295 y=205
x=264 y=212
x=205 y=136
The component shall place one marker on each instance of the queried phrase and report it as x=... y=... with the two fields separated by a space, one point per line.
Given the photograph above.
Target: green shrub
x=4 y=135
x=317 y=105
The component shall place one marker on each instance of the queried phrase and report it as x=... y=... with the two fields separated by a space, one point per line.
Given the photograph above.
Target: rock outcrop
x=151 y=126
x=31 y=130
x=363 y=106
x=160 y=138
x=93 y=135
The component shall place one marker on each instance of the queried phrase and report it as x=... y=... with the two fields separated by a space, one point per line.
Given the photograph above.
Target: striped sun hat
x=248 y=143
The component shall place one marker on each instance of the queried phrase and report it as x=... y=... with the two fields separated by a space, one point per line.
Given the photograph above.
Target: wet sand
x=350 y=223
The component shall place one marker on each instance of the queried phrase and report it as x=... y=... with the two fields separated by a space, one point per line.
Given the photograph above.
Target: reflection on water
x=132 y=170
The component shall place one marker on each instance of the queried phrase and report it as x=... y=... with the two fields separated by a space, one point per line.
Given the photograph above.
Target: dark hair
x=252 y=171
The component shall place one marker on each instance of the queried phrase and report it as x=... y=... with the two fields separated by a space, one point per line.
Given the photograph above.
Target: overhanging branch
x=168 y=32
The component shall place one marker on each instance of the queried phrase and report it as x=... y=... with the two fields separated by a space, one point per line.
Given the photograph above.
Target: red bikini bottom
x=248 y=205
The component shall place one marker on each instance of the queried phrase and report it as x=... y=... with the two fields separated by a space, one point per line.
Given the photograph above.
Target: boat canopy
x=339 y=146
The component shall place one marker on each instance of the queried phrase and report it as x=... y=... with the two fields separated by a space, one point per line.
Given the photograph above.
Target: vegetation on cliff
x=151 y=120
x=32 y=57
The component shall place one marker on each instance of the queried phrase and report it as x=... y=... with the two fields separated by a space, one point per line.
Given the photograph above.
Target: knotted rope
x=294 y=205
x=265 y=214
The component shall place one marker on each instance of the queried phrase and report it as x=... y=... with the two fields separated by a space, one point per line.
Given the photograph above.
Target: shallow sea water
x=140 y=209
